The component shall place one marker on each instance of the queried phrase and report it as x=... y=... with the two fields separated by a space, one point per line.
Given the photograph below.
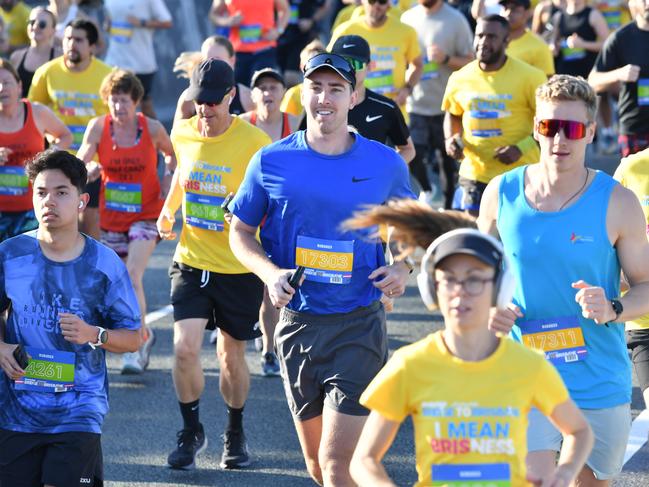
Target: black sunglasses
x=41 y=24
x=333 y=60
x=382 y=2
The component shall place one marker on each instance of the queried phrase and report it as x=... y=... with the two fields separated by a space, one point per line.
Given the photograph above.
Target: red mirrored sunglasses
x=572 y=130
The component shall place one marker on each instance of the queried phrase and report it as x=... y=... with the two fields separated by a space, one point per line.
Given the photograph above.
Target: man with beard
x=445 y=37
x=69 y=85
x=331 y=338
x=489 y=106
x=623 y=62
x=397 y=64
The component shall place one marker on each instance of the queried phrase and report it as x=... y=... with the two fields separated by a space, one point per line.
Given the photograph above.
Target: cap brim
x=196 y=93
x=268 y=74
x=309 y=72
x=487 y=259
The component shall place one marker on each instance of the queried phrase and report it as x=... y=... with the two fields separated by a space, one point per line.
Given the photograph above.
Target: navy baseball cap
x=354 y=47
x=211 y=81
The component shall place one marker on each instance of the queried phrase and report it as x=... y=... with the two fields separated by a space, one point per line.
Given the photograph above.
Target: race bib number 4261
x=48 y=371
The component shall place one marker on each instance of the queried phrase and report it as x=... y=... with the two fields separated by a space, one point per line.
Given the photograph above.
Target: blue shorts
x=611 y=427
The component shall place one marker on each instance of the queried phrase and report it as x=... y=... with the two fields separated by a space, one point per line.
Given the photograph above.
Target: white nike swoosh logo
x=371 y=119
x=345 y=46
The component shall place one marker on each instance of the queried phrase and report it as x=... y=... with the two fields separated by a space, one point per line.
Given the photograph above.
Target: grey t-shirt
x=448 y=29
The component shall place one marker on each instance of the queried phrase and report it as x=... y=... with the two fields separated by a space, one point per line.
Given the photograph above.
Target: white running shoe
x=131 y=363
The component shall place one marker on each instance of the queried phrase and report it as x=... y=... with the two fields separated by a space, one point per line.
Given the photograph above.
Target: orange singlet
x=130 y=190
x=286 y=124
x=15 y=189
x=258 y=18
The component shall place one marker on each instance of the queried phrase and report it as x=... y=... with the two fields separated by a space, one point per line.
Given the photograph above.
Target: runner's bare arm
x=76 y=330
x=163 y=144
x=407 y=151
x=91 y=139
x=172 y=202
x=49 y=124
x=488 y=216
x=377 y=437
x=246 y=248
x=184 y=108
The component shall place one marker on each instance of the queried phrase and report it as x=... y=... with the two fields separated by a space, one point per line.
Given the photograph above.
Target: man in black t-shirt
x=624 y=60
x=375 y=116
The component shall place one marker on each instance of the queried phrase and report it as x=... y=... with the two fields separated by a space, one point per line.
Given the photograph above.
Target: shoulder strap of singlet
x=286 y=125
x=253 y=118
x=21 y=65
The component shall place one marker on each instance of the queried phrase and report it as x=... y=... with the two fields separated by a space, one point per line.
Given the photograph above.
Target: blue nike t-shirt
x=305 y=196
x=96 y=287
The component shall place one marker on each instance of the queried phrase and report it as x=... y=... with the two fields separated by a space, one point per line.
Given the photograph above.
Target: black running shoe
x=190 y=444
x=235 y=450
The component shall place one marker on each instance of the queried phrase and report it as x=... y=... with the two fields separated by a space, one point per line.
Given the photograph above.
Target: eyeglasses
x=473 y=286
x=41 y=24
x=356 y=64
x=572 y=130
x=382 y=2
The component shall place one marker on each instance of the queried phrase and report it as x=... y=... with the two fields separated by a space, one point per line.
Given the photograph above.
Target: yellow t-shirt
x=633 y=173
x=467 y=416
x=497 y=109
x=74 y=96
x=210 y=168
x=16 y=24
x=292 y=101
x=344 y=15
x=393 y=46
x=531 y=49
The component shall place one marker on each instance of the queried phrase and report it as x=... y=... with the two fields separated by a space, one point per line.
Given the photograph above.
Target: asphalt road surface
x=140 y=429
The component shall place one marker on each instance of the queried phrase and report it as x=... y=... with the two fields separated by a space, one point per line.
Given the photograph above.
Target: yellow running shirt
x=633 y=173
x=210 y=168
x=393 y=46
x=469 y=418
x=74 y=96
x=292 y=101
x=533 y=50
x=497 y=109
x=16 y=24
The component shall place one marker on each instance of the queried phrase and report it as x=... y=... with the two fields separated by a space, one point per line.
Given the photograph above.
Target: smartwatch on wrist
x=102 y=338
x=617 y=308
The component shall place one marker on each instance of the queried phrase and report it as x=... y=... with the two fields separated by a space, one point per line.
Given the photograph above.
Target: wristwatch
x=617 y=307
x=102 y=337
x=410 y=264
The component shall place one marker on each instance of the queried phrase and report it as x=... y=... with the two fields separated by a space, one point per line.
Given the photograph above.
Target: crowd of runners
x=292 y=161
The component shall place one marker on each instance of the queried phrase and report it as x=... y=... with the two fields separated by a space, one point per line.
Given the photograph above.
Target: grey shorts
x=611 y=427
x=330 y=359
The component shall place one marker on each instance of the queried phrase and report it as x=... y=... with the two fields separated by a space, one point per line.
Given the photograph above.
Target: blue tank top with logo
x=548 y=251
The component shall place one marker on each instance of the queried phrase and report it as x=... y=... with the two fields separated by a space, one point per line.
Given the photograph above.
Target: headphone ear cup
x=426 y=289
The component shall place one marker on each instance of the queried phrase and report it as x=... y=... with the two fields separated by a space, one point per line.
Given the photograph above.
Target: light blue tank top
x=548 y=251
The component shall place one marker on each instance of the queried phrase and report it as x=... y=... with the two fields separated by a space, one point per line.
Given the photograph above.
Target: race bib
x=381 y=81
x=121 y=32
x=483 y=123
x=572 y=53
x=562 y=339
x=487 y=475
x=204 y=211
x=643 y=92
x=250 y=33
x=48 y=371
x=431 y=70
x=327 y=261
x=13 y=181
x=124 y=197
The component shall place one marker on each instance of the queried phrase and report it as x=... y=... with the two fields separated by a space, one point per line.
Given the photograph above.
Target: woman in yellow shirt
x=467 y=389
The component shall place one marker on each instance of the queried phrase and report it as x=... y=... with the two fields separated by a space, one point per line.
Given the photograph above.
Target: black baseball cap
x=523 y=3
x=468 y=242
x=266 y=72
x=334 y=62
x=211 y=81
x=354 y=47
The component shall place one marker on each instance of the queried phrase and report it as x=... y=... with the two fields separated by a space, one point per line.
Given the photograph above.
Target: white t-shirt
x=131 y=47
x=449 y=30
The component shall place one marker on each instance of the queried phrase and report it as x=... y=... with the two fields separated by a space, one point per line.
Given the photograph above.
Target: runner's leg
x=340 y=433
x=309 y=432
x=187 y=372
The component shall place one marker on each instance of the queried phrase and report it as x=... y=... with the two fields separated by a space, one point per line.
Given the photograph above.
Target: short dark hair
x=498 y=19
x=92 y=33
x=53 y=158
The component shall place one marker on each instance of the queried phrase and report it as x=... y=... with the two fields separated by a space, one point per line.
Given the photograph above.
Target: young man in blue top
x=331 y=338
x=67 y=299
x=568 y=231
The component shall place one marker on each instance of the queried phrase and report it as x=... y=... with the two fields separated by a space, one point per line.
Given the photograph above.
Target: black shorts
x=60 y=459
x=638 y=342
x=229 y=301
x=147 y=84
x=329 y=360
x=93 y=190
x=468 y=194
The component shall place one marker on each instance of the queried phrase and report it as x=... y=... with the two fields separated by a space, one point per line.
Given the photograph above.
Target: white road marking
x=158 y=314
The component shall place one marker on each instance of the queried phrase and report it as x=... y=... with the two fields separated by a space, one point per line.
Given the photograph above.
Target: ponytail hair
x=414 y=224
